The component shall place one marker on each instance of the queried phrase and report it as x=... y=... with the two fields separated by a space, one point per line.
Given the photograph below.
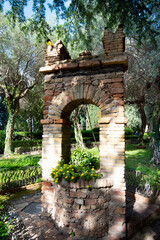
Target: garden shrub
x=37 y=135
x=27 y=135
x=25 y=143
x=20 y=135
x=1 y=147
x=87 y=135
x=85 y=158
x=5 y=227
x=131 y=137
x=128 y=131
x=2 y=135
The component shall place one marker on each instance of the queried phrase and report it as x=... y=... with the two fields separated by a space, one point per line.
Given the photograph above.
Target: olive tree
x=20 y=60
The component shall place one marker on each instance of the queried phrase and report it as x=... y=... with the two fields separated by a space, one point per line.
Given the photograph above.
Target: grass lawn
x=19 y=161
x=136 y=159
x=139 y=159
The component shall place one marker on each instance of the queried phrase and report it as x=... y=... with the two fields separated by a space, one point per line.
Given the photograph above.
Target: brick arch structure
x=81 y=93
x=69 y=83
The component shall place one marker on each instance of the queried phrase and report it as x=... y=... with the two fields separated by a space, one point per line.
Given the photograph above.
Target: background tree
x=31 y=111
x=140 y=79
x=20 y=60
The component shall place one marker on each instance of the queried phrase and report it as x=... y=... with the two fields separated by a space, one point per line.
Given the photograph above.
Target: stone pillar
x=51 y=147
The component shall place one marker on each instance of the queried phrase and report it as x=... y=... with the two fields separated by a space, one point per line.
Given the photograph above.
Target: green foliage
x=21 y=59
x=71 y=172
x=128 y=131
x=19 y=161
x=31 y=111
x=2 y=135
x=26 y=143
x=152 y=175
x=80 y=16
x=72 y=234
x=133 y=117
x=5 y=227
x=92 y=116
x=85 y=158
x=87 y=135
x=21 y=135
x=135 y=156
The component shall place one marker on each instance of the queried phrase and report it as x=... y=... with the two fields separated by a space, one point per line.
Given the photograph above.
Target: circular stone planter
x=77 y=210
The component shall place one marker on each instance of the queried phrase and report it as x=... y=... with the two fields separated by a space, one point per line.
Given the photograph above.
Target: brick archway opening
x=69 y=83
x=67 y=124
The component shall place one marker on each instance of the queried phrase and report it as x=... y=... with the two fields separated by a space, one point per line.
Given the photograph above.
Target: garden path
x=38 y=226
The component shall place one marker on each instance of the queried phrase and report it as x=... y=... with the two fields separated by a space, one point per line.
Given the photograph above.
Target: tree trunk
x=143 y=122
x=12 y=114
x=89 y=120
x=31 y=126
x=77 y=129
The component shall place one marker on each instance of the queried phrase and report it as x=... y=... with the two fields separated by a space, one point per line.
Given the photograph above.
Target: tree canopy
x=81 y=16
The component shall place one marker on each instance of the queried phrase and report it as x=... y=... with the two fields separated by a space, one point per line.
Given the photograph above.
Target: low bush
x=20 y=136
x=5 y=227
x=26 y=143
x=128 y=131
x=85 y=158
x=19 y=143
x=2 y=135
x=37 y=135
x=131 y=137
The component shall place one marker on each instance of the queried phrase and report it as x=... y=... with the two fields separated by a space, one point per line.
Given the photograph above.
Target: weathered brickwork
x=88 y=214
x=87 y=80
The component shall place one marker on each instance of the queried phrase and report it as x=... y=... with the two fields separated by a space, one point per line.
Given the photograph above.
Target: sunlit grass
x=94 y=151
x=19 y=161
x=136 y=159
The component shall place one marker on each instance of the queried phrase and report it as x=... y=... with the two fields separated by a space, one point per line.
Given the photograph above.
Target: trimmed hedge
x=21 y=135
x=25 y=143
x=128 y=131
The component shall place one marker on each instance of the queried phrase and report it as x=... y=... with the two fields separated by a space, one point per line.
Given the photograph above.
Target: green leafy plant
x=71 y=173
x=5 y=227
x=128 y=131
x=72 y=234
x=85 y=158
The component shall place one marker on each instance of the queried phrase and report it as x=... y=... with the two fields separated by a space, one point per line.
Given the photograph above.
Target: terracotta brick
x=89 y=63
x=45 y=121
x=49 y=93
x=48 y=98
x=77 y=194
x=58 y=120
x=90 y=202
x=68 y=66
